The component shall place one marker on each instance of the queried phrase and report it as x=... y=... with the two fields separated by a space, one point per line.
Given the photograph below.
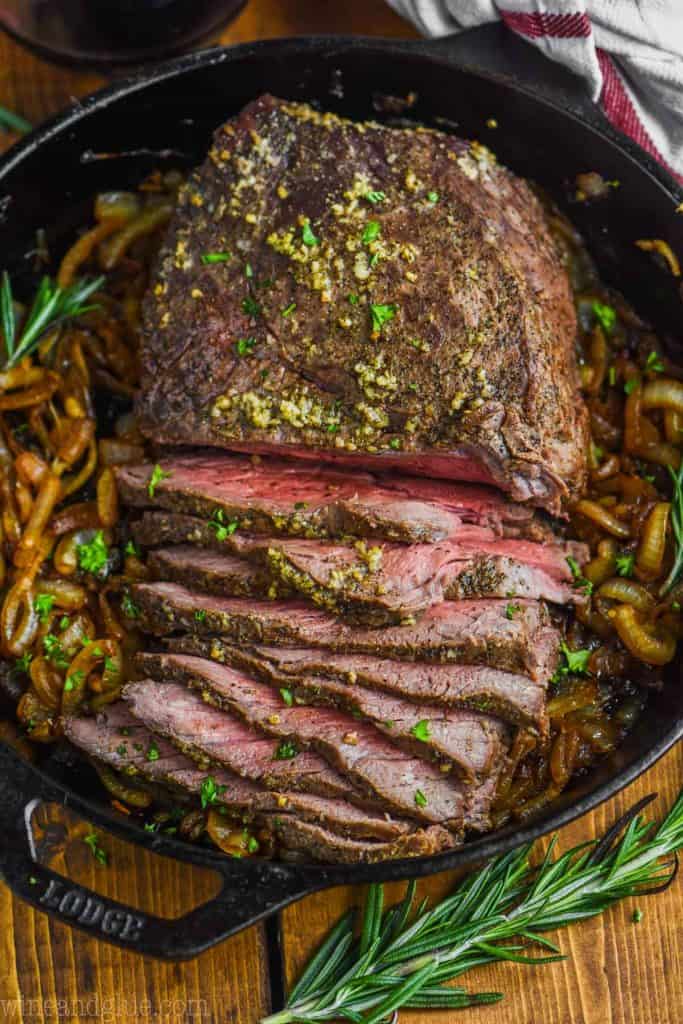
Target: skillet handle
x=250 y=889
x=496 y=52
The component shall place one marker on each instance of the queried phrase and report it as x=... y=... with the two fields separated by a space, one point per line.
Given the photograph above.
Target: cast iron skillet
x=547 y=130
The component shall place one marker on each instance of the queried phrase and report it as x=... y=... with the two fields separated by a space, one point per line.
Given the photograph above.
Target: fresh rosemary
x=402 y=959
x=51 y=307
x=677 y=527
x=14 y=122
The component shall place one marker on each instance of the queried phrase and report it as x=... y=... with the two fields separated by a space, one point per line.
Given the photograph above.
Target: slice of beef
x=434 y=337
x=211 y=737
x=118 y=739
x=378 y=585
x=473 y=742
x=472 y=632
x=515 y=698
x=278 y=497
x=314 y=841
x=404 y=784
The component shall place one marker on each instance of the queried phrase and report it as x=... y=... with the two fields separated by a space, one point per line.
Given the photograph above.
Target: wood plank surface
x=617 y=971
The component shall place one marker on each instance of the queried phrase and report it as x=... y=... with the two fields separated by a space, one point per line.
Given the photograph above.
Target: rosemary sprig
x=403 y=959
x=14 y=122
x=677 y=527
x=51 y=307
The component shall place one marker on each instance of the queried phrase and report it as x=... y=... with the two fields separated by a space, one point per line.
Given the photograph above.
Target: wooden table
x=617 y=970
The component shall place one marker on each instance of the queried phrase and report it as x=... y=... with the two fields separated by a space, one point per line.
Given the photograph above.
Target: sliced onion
x=663 y=393
x=603 y=518
x=650 y=552
x=654 y=646
x=627 y=592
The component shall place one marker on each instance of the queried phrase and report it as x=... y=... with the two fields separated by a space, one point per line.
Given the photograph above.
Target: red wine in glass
x=114 y=33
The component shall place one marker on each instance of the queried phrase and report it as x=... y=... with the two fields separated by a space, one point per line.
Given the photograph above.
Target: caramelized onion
x=628 y=592
x=650 y=551
x=602 y=517
x=654 y=646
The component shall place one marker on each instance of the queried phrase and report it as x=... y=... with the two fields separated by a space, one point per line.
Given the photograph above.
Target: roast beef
x=472 y=741
x=404 y=784
x=472 y=632
x=381 y=297
x=279 y=497
x=118 y=739
x=375 y=585
x=515 y=698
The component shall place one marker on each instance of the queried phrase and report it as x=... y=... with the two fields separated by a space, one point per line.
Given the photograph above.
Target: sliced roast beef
x=405 y=784
x=473 y=632
x=472 y=741
x=119 y=740
x=515 y=698
x=210 y=737
x=277 y=497
x=435 y=336
x=386 y=583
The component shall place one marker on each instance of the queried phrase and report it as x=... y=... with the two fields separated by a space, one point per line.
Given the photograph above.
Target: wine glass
x=114 y=33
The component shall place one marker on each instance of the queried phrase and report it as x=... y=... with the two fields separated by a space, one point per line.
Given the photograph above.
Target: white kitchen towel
x=629 y=53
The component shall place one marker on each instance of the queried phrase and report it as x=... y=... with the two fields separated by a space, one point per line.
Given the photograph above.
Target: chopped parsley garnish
x=382 y=314
x=371 y=231
x=612 y=376
x=54 y=651
x=421 y=730
x=215 y=257
x=353 y=298
x=575 y=662
x=307 y=236
x=110 y=665
x=75 y=679
x=22 y=664
x=251 y=307
x=395 y=443
x=580 y=581
x=244 y=346
x=253 y=845
x=286 y=750
x=248 y=272
x=332 y=428
x=374 y=259
x=199 y=615
x=288 y=310
x=630 y=386
x=222 y=527
x=151 y=826
x=131 y=548
x=129 y=607
x=637 y=916
x=420 y=798
x=122 y=750
x=625 y=565
x=300 y=504
x=510 y=610
x=287 y=696
x=92 y=556
x=433 y=197
x=606 y=316
x=158 y=474
x=152 y=752
x=210 y=791
x=92 y=840
x=43 y=605
x=654 y=363
x=375 y=197
x=675 y=606
x=64 y=622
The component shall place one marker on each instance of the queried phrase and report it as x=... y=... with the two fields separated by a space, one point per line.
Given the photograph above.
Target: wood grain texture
x=617 y=972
